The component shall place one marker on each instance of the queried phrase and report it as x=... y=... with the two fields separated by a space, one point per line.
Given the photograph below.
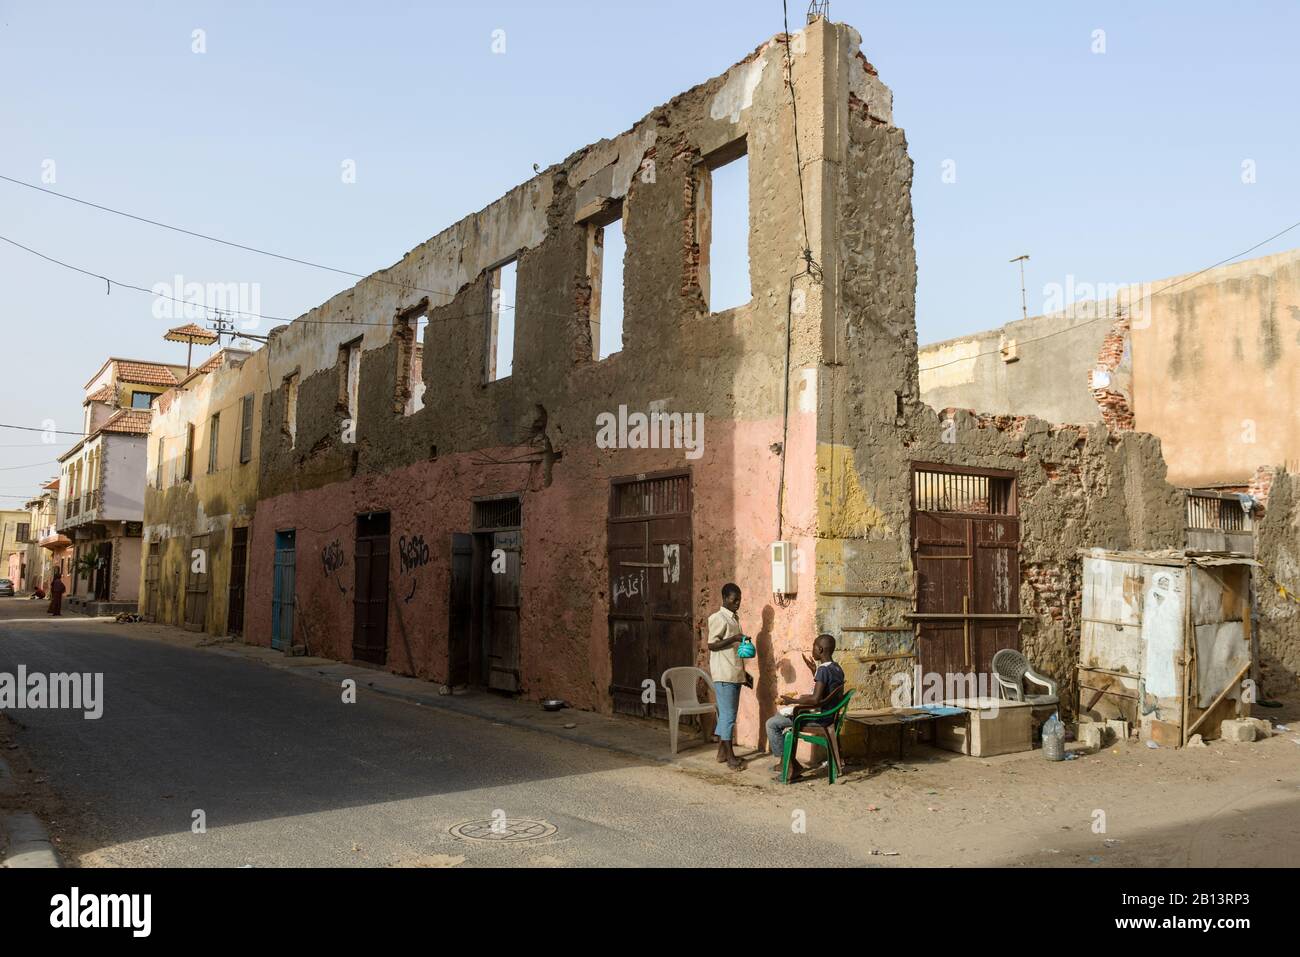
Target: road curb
x=27 y=843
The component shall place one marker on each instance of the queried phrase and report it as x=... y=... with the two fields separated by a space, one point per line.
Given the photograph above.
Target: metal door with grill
x=283 y=588
x=649 y=547
x=370 y=597
x=196 y=584
x=238 y=569
x=966 y=551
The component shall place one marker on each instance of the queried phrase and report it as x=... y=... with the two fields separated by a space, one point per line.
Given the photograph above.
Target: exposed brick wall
x=1115 y=409
x=1261 y=483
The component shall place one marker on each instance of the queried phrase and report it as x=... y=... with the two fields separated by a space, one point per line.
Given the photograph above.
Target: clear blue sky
x=1112 y=167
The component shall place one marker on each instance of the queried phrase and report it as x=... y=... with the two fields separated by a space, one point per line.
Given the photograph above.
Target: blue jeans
x=777 y=725
x=728 y=693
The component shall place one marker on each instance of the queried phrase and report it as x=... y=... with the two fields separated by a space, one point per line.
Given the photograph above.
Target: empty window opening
x=936 y=490
x=141 y=400
x=409 y=335
x=214 y=432
x=608 y=246
x=349 y=378
x=723 y=223
x=501 y=321
x=291 y=407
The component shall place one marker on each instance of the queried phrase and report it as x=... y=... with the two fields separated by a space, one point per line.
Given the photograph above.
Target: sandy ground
x=1221 y=805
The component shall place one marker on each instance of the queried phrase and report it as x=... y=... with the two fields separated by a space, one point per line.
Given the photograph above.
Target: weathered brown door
x=460 y=611
x=649 y=548
x=238 y=570
x=502 y=594
x=152 y=569
x=196 y=584
x=966 y=551
x=370 y=594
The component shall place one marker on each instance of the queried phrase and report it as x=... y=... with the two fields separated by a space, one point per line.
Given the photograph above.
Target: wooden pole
x=1215 y=703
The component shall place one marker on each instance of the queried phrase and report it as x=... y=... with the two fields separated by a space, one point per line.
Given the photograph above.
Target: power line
x=34 y=465
x=32 y=428
x=223 y=242
x=253 y=315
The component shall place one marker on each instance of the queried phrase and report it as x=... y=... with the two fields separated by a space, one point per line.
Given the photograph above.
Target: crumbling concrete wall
x=1078 y=486
x=1277 y=584
x=534 y=432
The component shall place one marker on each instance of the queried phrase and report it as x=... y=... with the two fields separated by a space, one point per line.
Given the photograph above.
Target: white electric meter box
x=784 y=579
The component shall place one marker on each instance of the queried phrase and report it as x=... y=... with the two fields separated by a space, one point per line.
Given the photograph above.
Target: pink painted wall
x=564 y=641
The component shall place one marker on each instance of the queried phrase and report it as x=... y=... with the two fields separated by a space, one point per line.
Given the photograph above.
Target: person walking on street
x=57 y=588
x=727 y=670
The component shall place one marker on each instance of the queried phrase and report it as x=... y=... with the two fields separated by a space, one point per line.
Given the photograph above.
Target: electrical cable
x=217 y=239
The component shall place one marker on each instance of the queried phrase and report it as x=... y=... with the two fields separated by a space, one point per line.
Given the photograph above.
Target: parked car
x=6 y=588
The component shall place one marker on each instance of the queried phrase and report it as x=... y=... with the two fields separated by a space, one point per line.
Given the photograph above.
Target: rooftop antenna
x=1024 y=302
x=819 y=9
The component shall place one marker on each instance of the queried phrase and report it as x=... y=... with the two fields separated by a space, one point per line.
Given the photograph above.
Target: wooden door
x=649 y=539
x=460 y=612
x=370 y=595
x=196 y=584
x=966 y=552
x=283 y=591
x=238 y=572
x=501 y=592
x=152 y=570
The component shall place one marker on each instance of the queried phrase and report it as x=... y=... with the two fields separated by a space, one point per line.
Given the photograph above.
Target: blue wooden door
x=282 y=593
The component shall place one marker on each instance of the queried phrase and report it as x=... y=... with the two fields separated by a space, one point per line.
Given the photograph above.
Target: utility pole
x=1024 y=302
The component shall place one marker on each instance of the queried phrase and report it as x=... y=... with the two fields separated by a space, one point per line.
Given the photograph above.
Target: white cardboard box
x=994 y=726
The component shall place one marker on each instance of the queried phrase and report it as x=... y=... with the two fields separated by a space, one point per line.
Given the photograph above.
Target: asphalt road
x=287 y=774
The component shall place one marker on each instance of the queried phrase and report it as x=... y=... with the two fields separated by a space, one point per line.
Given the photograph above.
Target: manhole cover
x=503 y=831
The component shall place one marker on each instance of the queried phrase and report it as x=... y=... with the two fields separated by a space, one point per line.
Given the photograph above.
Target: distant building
x=1207 y=362
x=101 y=482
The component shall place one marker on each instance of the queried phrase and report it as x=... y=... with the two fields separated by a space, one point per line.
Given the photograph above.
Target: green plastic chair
x=793 y=735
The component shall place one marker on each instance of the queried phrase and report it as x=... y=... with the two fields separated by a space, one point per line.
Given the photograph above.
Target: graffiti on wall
x=412 y=554
x=332 y=559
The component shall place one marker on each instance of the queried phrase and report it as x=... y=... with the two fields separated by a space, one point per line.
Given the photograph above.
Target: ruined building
x=445 y=486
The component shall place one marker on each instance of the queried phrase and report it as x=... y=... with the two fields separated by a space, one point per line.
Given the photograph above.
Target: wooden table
x=904 y=719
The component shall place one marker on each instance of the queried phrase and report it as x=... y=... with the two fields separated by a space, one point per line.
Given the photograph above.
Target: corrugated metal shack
x=1166 y=640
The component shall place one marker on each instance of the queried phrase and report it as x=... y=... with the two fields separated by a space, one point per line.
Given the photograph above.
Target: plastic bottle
x=1054 y=739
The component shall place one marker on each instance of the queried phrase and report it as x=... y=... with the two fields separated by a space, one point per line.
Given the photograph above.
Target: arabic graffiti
x=629 y=586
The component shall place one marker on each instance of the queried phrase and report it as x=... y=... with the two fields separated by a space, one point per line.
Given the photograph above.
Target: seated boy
x=828 y=688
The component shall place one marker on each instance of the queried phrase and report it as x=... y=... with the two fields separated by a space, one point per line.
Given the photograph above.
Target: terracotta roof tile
x=213 y=363
x=104 y=394
x=144 y=373
x=128 y=422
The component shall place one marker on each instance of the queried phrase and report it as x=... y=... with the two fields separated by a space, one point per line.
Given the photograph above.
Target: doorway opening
x=370 y=596
x=497 y=556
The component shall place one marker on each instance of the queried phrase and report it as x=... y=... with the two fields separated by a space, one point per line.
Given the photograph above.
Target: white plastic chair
x=682 y=688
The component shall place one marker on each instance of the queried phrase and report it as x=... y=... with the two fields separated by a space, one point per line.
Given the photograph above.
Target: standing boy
x=727 y=670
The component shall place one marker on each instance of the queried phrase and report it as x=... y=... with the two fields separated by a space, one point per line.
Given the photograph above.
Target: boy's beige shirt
x=725 y=665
